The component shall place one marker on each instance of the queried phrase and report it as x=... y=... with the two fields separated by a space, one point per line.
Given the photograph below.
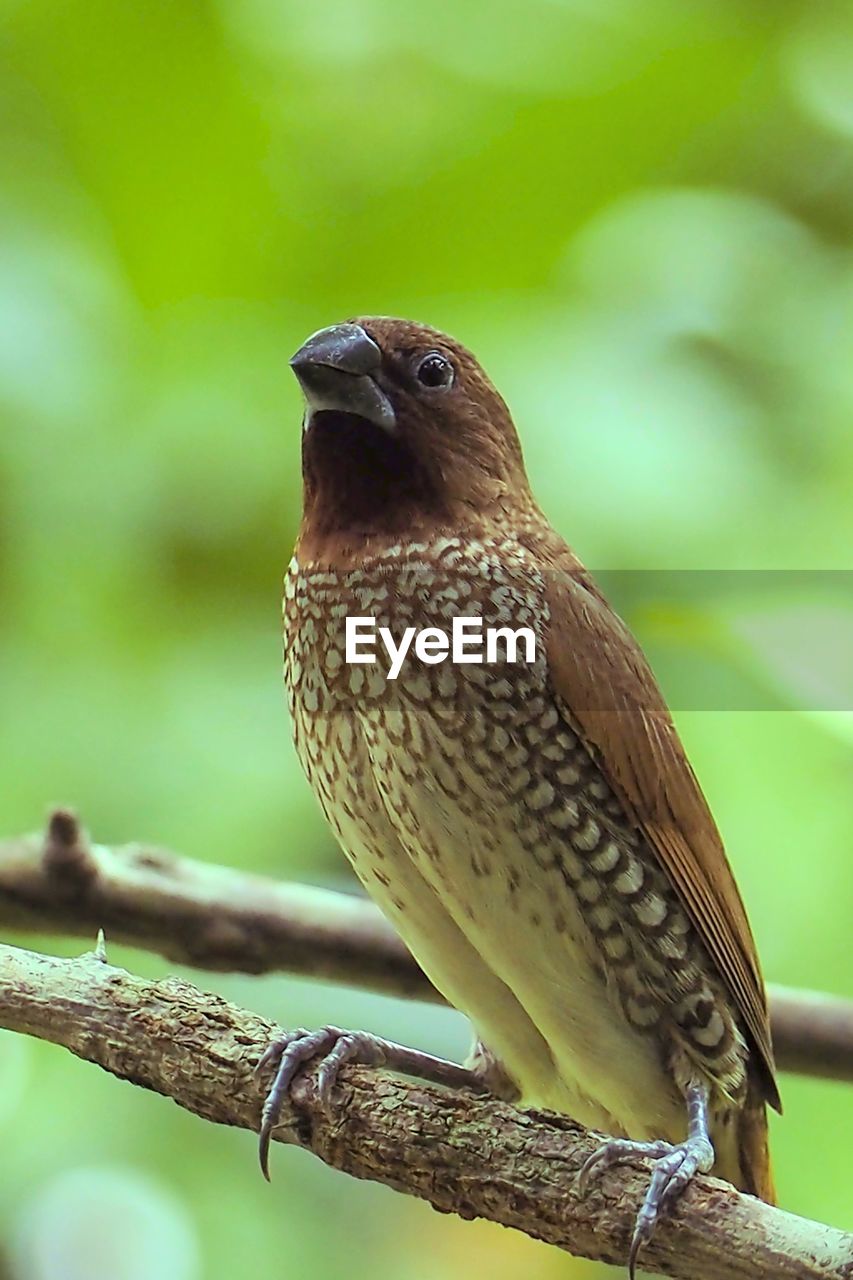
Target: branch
x=463 y=1154
x=217 y=918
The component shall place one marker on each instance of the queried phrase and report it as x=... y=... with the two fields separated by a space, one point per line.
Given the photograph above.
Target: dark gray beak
x=337 y=369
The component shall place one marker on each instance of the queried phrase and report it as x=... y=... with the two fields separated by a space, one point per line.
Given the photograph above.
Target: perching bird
x=532 y=828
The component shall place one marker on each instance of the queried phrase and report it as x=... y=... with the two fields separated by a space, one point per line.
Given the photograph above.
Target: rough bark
x=465 y=1155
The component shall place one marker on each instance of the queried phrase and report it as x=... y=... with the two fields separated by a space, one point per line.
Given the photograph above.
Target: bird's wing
x=599 y=672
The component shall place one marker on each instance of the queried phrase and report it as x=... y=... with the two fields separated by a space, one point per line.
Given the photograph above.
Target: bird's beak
x=336 y=369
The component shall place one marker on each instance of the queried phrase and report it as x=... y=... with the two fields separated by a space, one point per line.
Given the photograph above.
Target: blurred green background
x=639 y=216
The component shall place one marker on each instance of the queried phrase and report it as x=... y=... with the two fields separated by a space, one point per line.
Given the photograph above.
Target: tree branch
x=463 y=1154
x=217 y=918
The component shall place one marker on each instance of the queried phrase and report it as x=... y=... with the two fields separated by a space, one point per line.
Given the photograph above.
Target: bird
x=531 y=824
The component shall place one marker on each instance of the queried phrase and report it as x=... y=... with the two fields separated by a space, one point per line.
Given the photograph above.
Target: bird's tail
x=743 y=1154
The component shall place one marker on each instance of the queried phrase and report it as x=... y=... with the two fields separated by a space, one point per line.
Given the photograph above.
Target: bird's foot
x=330 y=1048
x=674 y=1166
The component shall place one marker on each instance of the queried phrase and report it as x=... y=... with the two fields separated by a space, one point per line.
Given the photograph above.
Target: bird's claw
x=674 y=1166
x=295 y=1049
x=613 y=1152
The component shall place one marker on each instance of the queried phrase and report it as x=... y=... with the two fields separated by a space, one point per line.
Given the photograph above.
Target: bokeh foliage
x=639 y=215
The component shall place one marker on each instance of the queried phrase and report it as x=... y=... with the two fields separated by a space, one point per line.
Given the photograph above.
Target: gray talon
x=613 y=1152
x=296 y=1049
x=334 y=1048
x=675 y=1163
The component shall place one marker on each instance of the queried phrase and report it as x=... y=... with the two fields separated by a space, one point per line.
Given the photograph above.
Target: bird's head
x=403 y=432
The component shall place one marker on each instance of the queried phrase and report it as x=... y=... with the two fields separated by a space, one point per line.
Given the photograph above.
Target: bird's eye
x=435 y=370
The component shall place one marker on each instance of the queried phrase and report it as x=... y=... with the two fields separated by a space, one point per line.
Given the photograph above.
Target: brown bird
x=531 y=827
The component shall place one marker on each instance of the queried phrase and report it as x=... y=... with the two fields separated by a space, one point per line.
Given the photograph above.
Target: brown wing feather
x=599 y=672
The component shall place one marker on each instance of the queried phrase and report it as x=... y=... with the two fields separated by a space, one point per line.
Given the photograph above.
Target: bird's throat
x=362 y=480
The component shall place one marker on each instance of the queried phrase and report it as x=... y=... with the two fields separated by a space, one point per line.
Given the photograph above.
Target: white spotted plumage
x=471 y=811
